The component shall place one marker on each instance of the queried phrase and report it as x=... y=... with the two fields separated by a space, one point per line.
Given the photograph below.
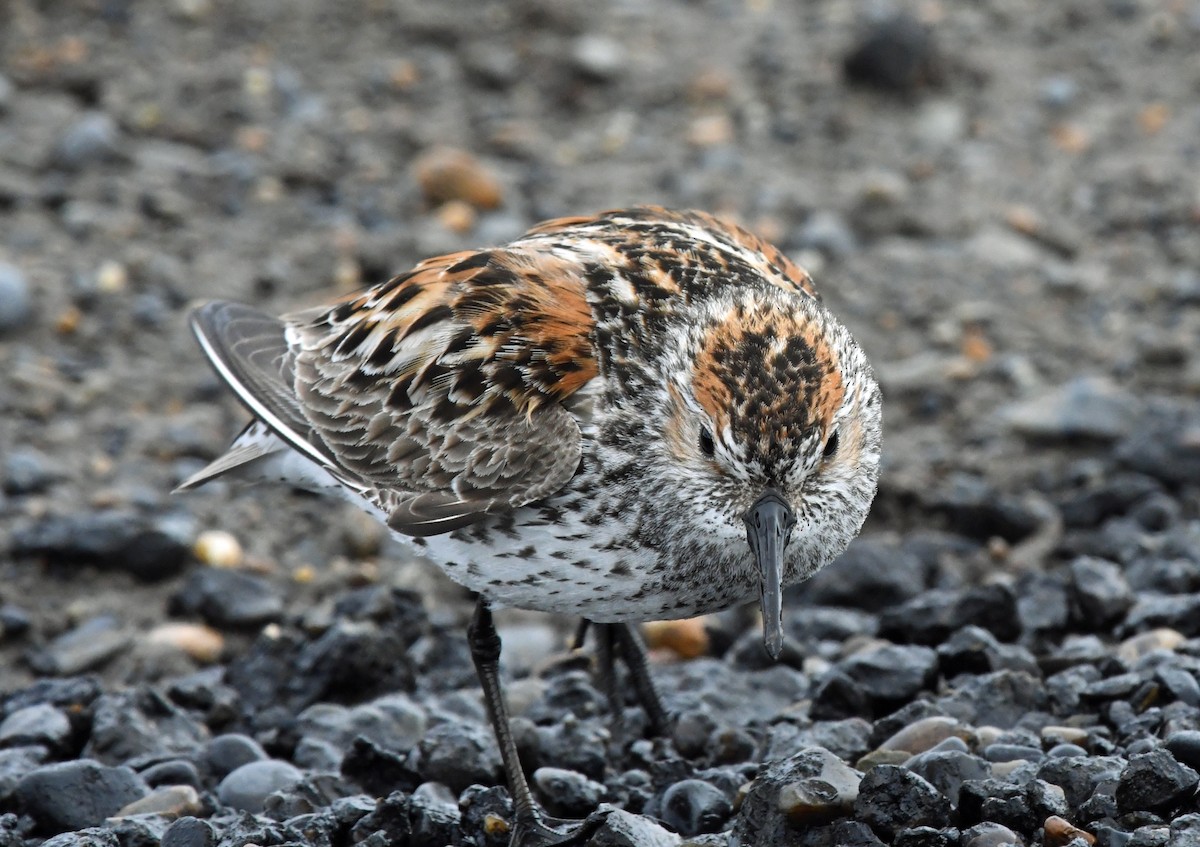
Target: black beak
x=769 y=525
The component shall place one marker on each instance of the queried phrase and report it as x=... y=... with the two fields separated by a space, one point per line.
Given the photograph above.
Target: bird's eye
x=831 y=445
x=707 y=447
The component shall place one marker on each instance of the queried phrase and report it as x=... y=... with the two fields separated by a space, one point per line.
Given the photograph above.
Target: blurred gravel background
x=1002 y=201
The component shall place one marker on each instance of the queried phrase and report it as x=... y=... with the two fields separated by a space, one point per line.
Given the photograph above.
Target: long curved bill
x=769 y=525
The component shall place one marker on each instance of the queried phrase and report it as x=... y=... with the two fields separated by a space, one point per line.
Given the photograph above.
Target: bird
x=642 y=414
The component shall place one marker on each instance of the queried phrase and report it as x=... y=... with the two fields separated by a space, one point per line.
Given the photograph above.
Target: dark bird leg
x=613 y=639
x=530 y=828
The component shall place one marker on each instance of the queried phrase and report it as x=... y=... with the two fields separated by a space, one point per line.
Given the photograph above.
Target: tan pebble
x=986 y=735
x=975 y=345
x=1136 y=646
x=458 y=216
x=687 y=638
x=1060 y=832
x=881 y=757
x=68 y=321
x=252 y=139
x=202 y=643
x=1153 y=118
x=1022 y=219
x=347 y=273
x=404 y=74
x=495 y=826
x=170 y=801
x=446 y=174
x=925 y=733
x=1003 y=769
x=1065 y=734
x=111 y=277
x=1070 y=138
x=268 y=189
x=304 y=574
x=709 y=85
x=257 y=82
x=218 y=548
x=710 y=131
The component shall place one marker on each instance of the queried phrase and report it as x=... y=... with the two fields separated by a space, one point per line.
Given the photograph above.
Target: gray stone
x=229 y=598
x=1086 y=407
x=224 y=754
x=246 y=788
x=1102 y=596
x=459 y=754
x=76 y=794
x=567 y=793
x=623 y=829
x=891 y=798
x=947 y=770
x=91 y=644
x=42 y=724
x=693 y=806
x=90 y=139
x=1155 y=782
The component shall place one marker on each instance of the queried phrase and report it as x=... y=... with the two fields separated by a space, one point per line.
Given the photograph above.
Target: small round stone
x=692 y=806
x=16 y=301
x=566 y=792
x=247 y=787
x=77 y=794
x=226 y=753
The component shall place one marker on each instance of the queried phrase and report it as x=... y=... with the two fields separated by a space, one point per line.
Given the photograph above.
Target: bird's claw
x=545 y=831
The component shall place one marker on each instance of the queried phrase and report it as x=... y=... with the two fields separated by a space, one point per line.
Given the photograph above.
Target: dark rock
x=94 y=836
x=1180 y=612
x=226 y=753
x=246 y=788
x=622 y=829
x=989 y=834
x=1081 y=777
x=693 y=806
x=1043 y=603
x=14 y=621
x=974 y=650
x=869 y=575
x=567 y=793
x=189 y=832
x=15 y=763
x=137 y=722
x=1164 y=445
x=997 y=699
x=1181 y=684
x=690 y=732
x=1020 y=807
x=892 y=798
x=378 y=770
x=1155 y=782
x=76 y=794
x=973 y=508
x=1102 y=596
x=435 y=818
x=816 y=624
x=897 y=55
x=458 y=754
x=477 y=804
x=1085 y=408
x=891 y=674
x=947 y=770
x=228 y=598
x=1012 y=753
x=926 y=836
x=42 y=724
x=109 y=539
x=1185 y=831
x=931 y=617
x=90 y=645
x=847 y=739
x=172 y=772
x=1185 y=747
x=388 y=823
x=1113 y=495
x=810 y=787
x=577 y=745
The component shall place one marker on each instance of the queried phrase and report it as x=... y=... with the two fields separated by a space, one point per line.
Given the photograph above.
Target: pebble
x=26 y=470
x=90 y=645
x=228 y=598
x=459 y=754
x=921 y=735
x=76 y=794
x=43 y=725
x=623 y=829
x=891 y=798
x=445 y=174
x=692 y=807
x=189 y=832
x=91 y=139
x=898 y=55
x=1059 y=832
x=224 y=754
x=812 y=786
x=990 y=834
x=170 y=801
x=889 y=674
x=110 y=539
x=1102 y=596
x=1086 y=407
x=218 y=548
x=1155 y=782
x=948 y=770
x=598 y=57
x=246 y=787
x=567 y=793
x=202 y=643
x=869 y=575
x=172 y=772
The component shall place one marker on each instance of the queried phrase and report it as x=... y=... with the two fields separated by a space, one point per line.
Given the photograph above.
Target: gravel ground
x=999 y=198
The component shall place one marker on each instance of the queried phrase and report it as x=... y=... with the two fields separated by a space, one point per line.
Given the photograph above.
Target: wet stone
x=892 y=673
x=1020 y=807
x=1180 y=684
x=459 y=754
x=91 y=139
x=692 y=806
x=948 y=770
x=90 y=837
x=1086 y=407
x=1185 y=747
x=990 y=834
x=76 y=794
x=567 y=793
x=622 y=829
x=109 y=539
x=1155 y=782
x=931 y=617
x=226 y=753
x=898 y=55
x=869 y=575
x=996 y=699
x=892 y=798
x=172 y=772
x=136 y=722
x=90 y=645
x=813 y=786
x=42 y=724
x=26 y=470
x=923 y=734
x=228 y=598
x=1102 y=596
x=974 y=650
x=246 y=788
x=926 y=836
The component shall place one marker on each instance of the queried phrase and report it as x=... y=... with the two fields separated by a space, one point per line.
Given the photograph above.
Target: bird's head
x=774 y=424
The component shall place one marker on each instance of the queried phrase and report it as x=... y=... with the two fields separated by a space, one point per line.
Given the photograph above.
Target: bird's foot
x=545 y=831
